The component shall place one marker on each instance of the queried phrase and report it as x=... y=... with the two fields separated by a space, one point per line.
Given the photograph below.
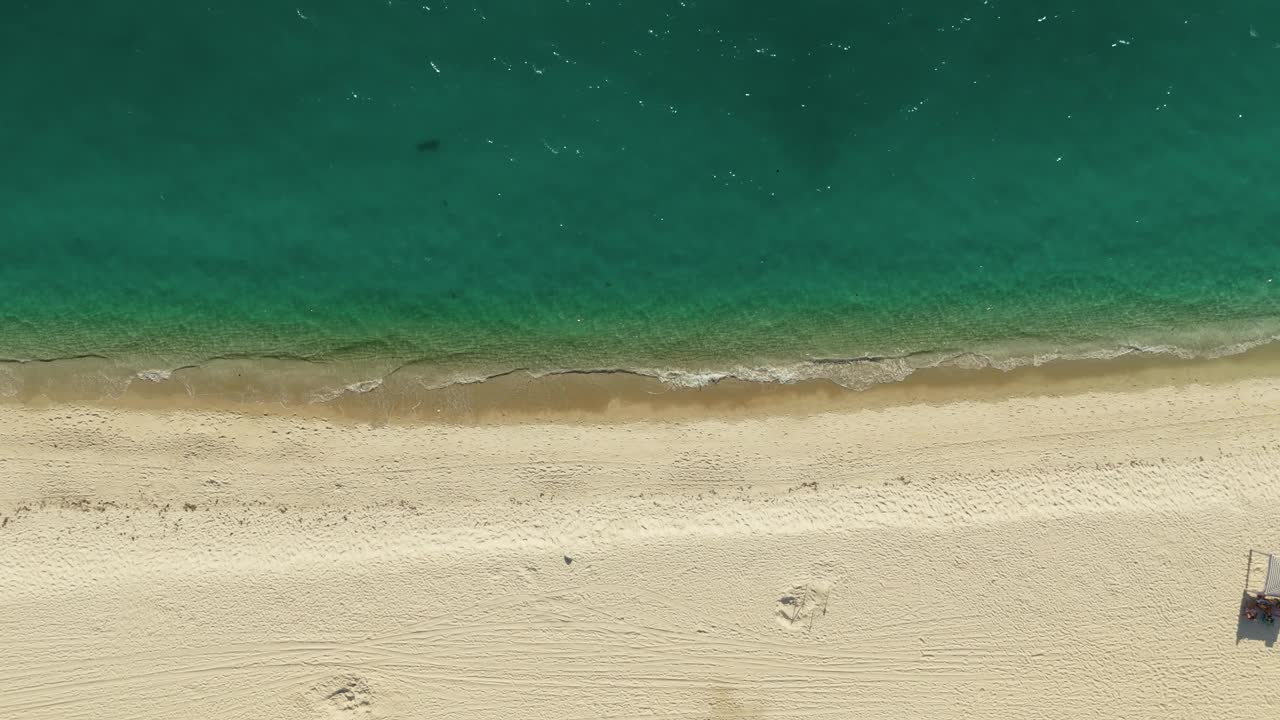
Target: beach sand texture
x=1063 y=556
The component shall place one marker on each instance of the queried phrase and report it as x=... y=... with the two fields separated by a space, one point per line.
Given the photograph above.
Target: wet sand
x=366 y=393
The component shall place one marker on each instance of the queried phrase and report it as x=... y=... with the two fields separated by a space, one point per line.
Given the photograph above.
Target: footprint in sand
x=799 y=607
x=347 y=696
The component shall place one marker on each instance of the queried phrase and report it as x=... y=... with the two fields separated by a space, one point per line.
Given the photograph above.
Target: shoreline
x=304 y=389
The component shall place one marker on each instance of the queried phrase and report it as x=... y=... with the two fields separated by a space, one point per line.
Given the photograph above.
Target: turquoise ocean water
x=684 y=187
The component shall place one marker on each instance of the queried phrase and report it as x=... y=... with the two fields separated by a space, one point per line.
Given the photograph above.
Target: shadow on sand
x=1254 y=629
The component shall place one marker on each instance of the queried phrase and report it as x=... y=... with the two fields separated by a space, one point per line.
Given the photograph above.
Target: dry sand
x=1070 y=556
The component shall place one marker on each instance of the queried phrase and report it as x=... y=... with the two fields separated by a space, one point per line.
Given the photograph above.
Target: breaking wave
x=311 y=381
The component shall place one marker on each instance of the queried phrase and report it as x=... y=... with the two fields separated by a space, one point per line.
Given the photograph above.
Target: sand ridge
x=1023 y=557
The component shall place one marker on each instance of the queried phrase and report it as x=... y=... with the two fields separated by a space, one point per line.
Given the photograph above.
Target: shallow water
x=686 y=189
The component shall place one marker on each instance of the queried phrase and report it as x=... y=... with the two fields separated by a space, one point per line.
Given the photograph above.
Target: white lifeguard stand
x=1261 y=601
x=1264 y=566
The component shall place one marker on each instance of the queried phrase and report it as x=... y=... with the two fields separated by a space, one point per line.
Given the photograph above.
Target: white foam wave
x=113 y=377
x=154 y=375
x=356 y=388
x=865 y=373
x=363 y=386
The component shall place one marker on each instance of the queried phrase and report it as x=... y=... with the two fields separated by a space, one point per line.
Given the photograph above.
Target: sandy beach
x=1050 y=555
